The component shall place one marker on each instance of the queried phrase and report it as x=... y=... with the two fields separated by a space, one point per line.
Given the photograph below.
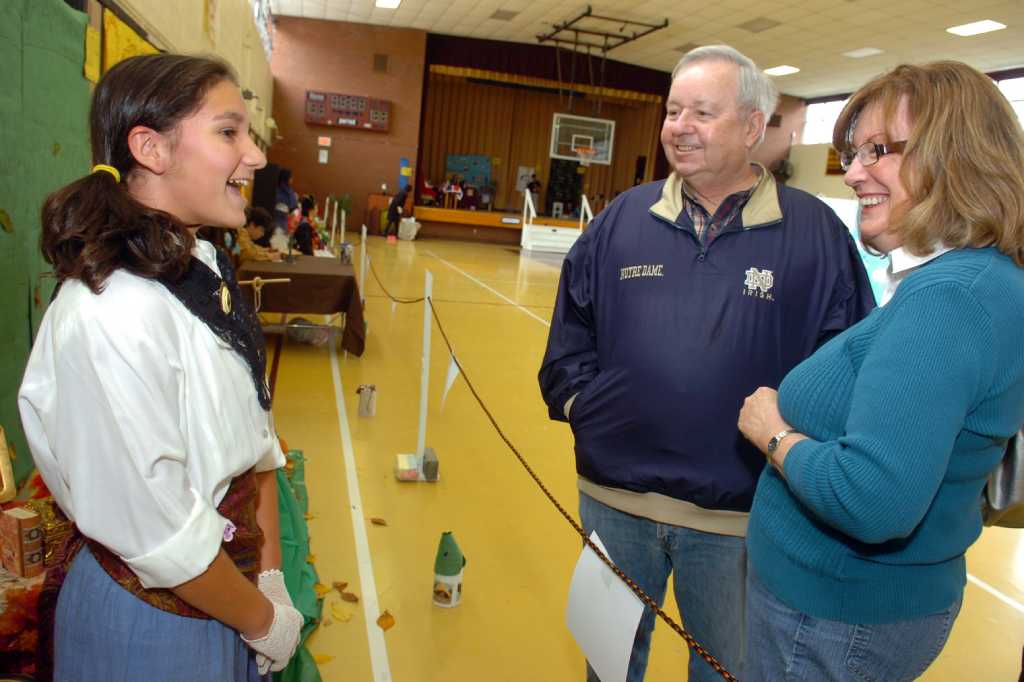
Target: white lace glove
x=271 y=584
x=276 y=648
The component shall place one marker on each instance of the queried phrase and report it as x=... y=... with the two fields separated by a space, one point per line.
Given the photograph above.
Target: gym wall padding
x=44 y=139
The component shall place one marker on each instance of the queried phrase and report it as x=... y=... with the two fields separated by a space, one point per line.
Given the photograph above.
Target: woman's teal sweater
x=906 y=412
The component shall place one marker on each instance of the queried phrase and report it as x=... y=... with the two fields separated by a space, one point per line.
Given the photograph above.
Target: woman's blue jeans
x=784 y=644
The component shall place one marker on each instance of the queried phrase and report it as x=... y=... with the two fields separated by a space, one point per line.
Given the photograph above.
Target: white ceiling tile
x=286 y=7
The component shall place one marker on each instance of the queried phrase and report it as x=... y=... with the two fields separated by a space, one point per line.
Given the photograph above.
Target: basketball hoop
x=586 y=155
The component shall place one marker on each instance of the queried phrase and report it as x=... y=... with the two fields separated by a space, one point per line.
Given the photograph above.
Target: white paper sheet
x=603 y=615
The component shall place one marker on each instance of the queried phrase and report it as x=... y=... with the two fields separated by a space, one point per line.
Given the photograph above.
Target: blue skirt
x=103 y=633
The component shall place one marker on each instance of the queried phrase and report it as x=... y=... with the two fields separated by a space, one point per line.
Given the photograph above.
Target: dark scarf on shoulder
x=199 y=290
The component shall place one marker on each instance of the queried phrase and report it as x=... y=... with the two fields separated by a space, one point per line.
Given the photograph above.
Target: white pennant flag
x=453 y=374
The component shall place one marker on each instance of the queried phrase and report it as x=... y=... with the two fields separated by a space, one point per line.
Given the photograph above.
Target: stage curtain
x=512 y=125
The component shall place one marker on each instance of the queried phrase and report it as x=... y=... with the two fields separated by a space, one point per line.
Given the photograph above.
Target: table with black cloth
x=318 y=286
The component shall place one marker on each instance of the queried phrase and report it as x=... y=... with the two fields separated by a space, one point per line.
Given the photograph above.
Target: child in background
x=251 y=244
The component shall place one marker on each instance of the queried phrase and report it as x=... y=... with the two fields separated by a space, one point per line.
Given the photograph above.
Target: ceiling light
x=975 y=28
x=782 y=70
x=863 y=52
x=388 y=4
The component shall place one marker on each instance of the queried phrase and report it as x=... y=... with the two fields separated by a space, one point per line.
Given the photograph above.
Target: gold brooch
x=225 y=299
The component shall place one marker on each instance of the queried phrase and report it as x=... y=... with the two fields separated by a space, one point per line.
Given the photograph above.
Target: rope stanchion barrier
x=393 y=299
x=637 y=590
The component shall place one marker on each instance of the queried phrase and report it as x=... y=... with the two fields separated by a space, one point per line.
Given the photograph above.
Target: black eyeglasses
x=869 y=153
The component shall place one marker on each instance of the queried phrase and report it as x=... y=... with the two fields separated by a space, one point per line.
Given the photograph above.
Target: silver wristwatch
x=776 y=440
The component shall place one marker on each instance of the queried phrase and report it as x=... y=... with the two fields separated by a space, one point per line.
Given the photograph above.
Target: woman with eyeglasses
x=880 y=443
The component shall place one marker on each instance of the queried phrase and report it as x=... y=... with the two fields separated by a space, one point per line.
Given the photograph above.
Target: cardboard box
x=21 y=542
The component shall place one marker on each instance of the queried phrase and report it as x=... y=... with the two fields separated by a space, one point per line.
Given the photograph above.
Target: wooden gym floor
x=495 y=306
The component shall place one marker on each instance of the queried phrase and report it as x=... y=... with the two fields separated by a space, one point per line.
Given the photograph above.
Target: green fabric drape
x=44 y=138
x=299 y=574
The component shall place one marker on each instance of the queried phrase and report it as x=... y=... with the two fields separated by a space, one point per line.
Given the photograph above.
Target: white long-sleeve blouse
x=138 y=417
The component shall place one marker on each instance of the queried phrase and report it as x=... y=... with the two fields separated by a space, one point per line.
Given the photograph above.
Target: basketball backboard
x=570 y=133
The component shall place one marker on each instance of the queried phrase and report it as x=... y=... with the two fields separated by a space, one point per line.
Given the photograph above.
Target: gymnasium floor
x=495 y=306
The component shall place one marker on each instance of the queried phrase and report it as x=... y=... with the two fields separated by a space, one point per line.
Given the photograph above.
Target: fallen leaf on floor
x=386 y=621
x=340 y=585
x=377 y=521
x=310 y=517
x=321 y=589
x=323 y=658
x=341 y=613
x=327 y=622
x=311 y=559
x=349 y=597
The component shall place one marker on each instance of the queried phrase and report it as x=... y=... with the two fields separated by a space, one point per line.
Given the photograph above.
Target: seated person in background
x=487 y=197
x=304 y=233
x=428 y=193
x=257 y=223
x=395 y=210
x=269 y=229
x=472 y=198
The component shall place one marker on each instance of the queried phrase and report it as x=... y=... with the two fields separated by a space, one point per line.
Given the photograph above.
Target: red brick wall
x=311 y=54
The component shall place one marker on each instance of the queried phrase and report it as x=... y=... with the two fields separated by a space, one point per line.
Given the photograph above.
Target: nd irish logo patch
x=759 y=284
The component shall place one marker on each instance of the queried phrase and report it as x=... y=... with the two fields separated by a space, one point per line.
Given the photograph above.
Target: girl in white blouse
x=144 y=401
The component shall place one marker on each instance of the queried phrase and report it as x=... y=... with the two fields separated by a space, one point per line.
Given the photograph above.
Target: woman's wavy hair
x=963 y=166
x=94 y=226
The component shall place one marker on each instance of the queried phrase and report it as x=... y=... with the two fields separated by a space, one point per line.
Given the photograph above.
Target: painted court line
x=371 y=606
x=478 y=282
x=1012 y=603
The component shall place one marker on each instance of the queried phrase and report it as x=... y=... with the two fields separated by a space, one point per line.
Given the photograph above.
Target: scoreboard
x=347 y=111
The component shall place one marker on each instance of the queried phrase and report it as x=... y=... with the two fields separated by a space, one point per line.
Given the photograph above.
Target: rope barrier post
x=344 y=215
x=362 y=267
x=330 y=218
x=421 y=438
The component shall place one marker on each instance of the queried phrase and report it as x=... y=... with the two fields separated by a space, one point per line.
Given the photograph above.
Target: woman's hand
x=760 y=421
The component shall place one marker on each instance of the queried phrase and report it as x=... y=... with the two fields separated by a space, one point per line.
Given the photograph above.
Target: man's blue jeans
x=709 y=579
x=784 y=644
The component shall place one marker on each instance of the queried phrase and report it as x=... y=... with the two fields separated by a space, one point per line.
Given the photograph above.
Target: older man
x=681 y=298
